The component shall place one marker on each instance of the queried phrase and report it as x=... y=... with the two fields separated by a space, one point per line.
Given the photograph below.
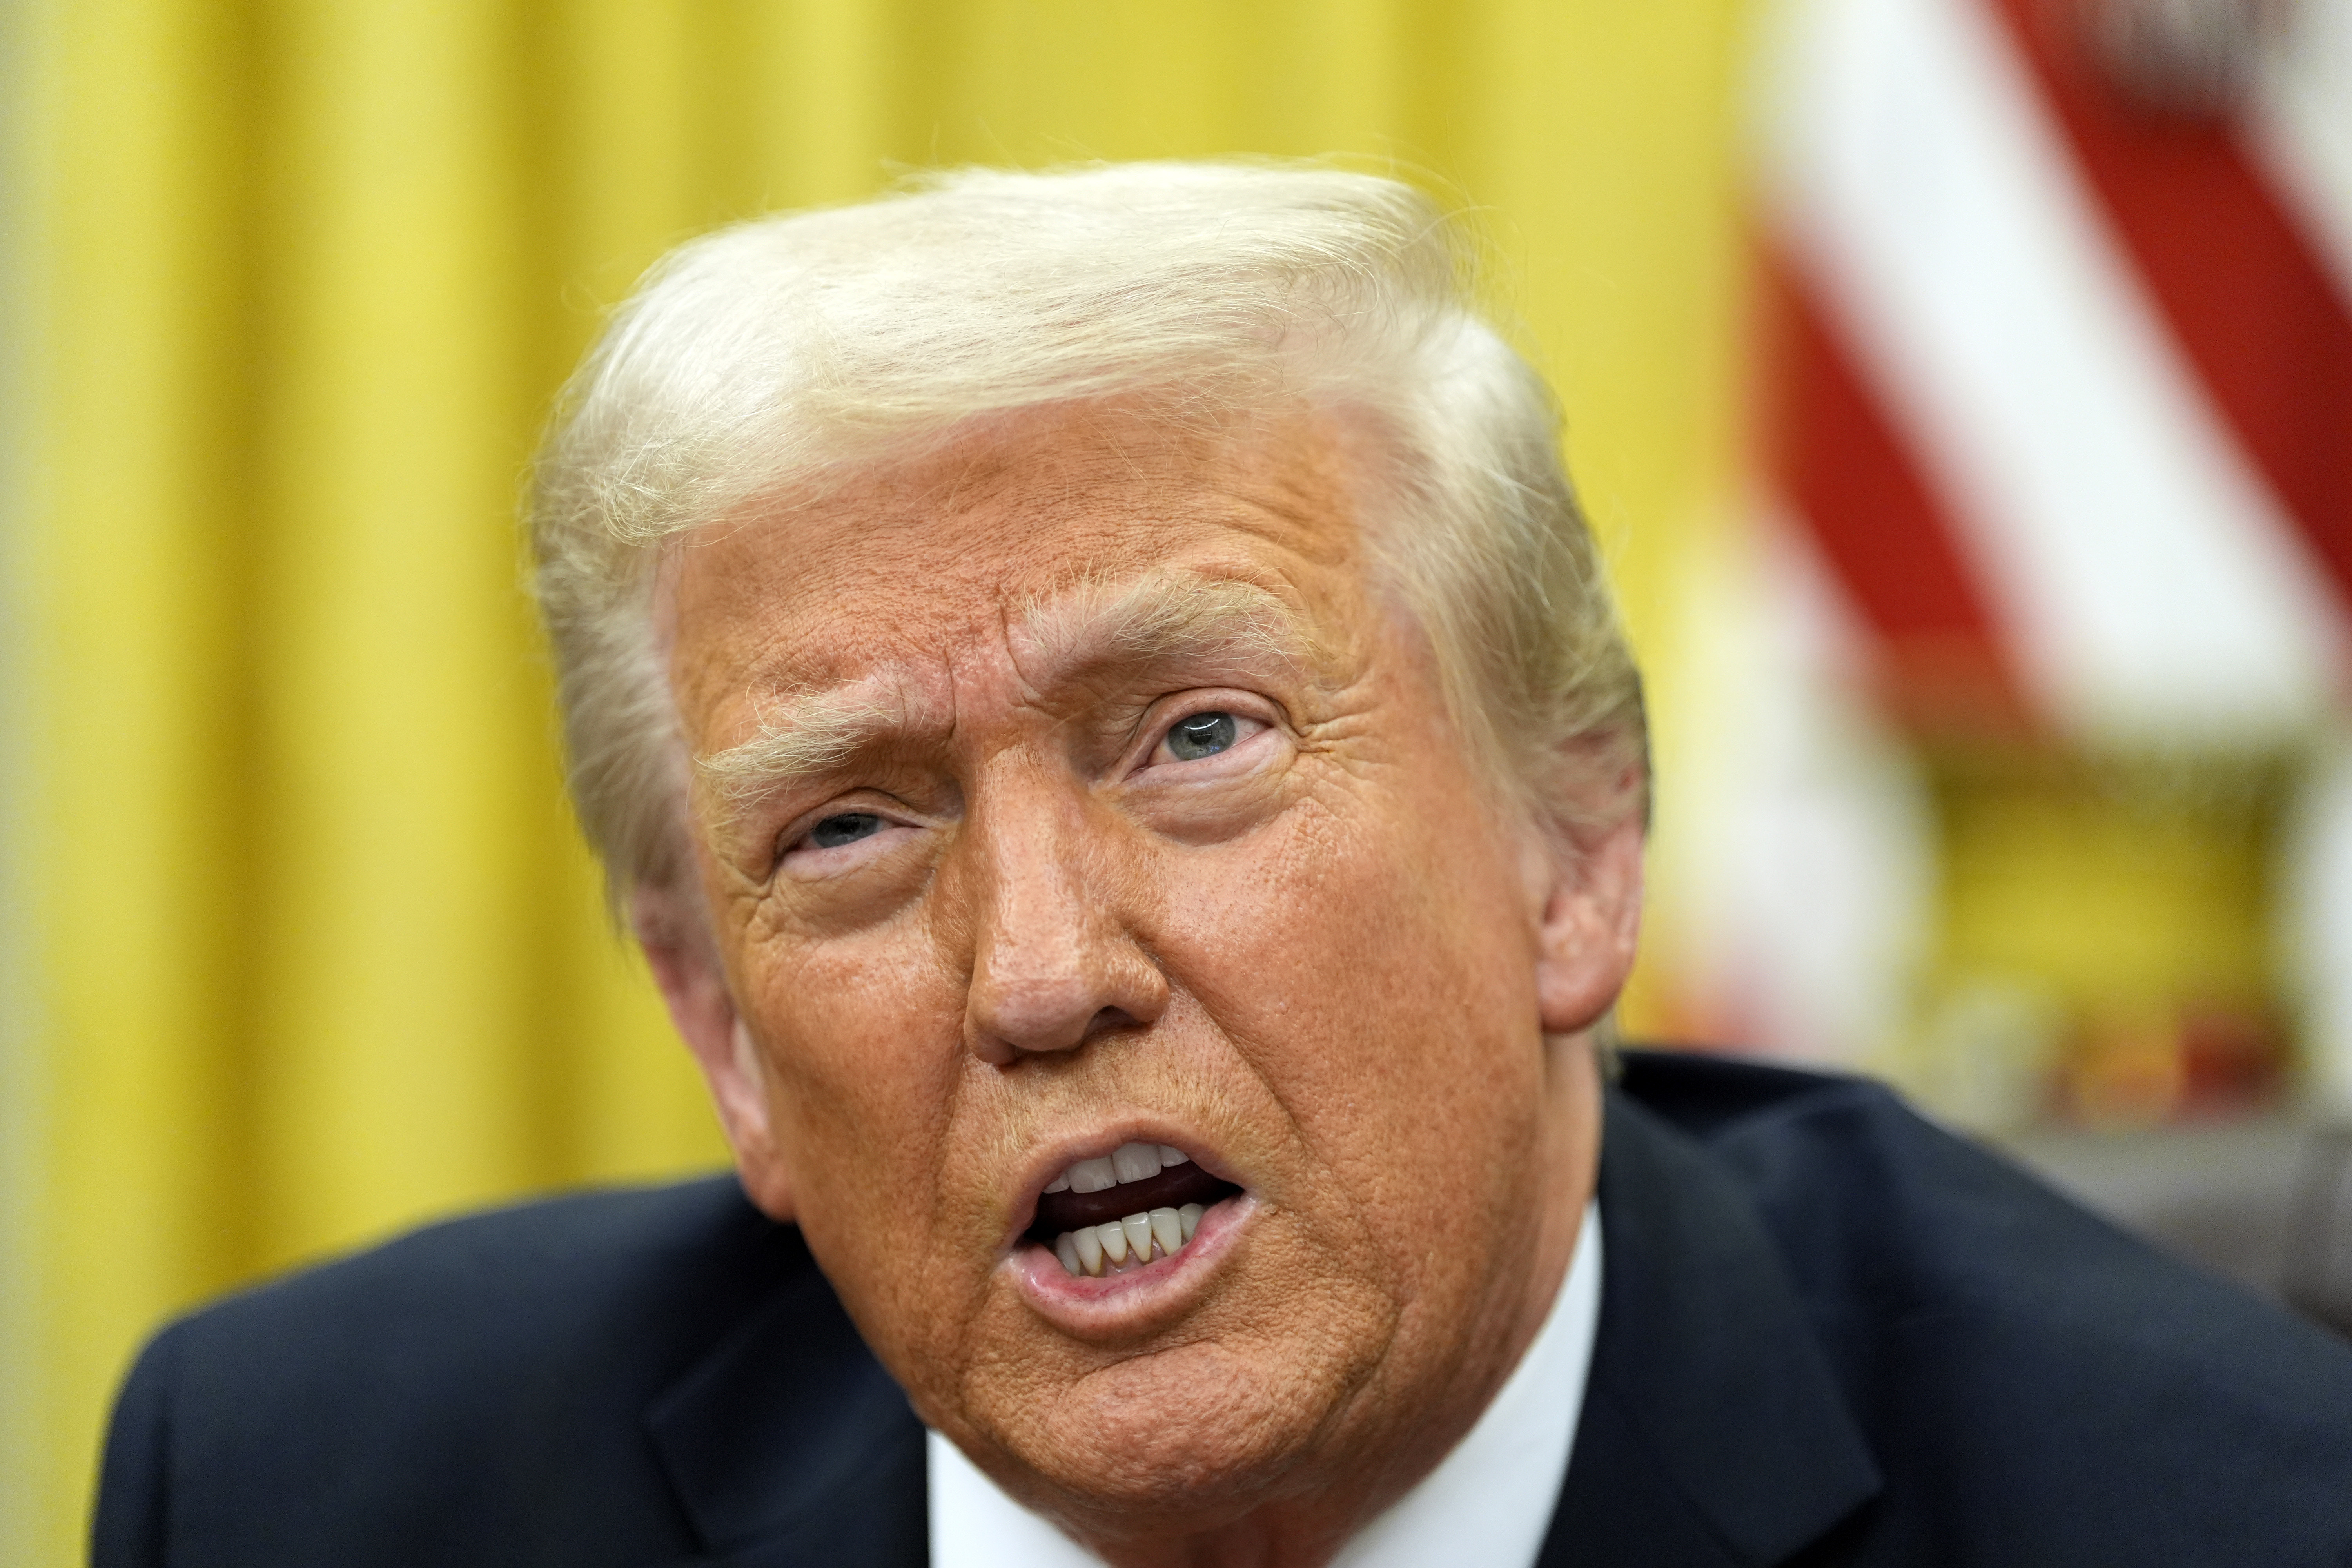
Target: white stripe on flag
x=2146 y=581
x=2302 y=125
x=1801 y=854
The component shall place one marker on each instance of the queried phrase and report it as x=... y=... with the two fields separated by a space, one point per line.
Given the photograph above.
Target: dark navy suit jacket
x=1829 y=1334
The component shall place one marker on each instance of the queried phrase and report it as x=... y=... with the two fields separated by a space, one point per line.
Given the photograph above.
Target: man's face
x=1082 y=789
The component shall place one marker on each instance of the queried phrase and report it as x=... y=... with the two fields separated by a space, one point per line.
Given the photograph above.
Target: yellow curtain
x=302 y=947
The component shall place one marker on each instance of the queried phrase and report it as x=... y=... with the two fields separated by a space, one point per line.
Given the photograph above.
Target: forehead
x=930 y=556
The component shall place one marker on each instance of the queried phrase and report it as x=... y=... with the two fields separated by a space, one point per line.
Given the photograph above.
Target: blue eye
x=1202 y=735
x=846 y=828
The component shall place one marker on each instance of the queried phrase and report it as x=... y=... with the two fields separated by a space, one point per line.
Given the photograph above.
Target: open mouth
x=1122 y=1210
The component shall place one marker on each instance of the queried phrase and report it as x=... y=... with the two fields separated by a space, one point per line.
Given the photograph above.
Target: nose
x=1053 y=962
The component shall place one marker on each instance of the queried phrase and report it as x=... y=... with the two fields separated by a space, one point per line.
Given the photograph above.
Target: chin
x=1188 y=1435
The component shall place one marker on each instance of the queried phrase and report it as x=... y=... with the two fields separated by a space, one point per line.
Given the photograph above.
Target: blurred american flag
x=2055 y=448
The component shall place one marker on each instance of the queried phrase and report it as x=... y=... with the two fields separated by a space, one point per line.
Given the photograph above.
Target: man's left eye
x=1202 y=735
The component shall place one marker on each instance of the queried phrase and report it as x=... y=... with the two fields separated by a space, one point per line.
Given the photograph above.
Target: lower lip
x=1088 y=1297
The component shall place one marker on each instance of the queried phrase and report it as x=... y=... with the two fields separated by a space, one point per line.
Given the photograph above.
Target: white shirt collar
x=1489 y=1501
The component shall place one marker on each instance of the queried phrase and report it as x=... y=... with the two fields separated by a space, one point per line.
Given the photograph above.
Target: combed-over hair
x=772 y=353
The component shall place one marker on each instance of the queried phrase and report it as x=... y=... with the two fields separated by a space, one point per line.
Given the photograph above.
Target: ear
x=678 y=947
x=1592 y=917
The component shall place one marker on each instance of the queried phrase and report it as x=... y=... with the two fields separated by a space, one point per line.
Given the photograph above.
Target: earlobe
x=694 y=987
x=1588 y=930
x=743 y=1110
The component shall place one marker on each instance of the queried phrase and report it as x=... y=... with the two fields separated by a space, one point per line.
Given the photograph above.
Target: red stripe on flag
x=2235 y=278
x=1848 y=472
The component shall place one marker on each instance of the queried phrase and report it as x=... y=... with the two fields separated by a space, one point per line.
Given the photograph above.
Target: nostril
x=1109 y=1021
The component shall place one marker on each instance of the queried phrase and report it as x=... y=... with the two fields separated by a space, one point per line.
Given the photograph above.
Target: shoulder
x=1993 y=1339
x=1867 y=1200
x=488 y=1370
x=624 y=1276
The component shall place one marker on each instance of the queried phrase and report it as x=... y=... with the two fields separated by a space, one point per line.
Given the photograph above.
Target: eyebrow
x=1161 y=617
x=804 y=736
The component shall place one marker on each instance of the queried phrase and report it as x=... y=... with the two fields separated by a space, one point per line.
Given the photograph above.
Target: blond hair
x=775 y=352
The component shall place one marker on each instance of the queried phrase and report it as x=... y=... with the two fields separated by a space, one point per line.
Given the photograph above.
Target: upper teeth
x=1128 y=1162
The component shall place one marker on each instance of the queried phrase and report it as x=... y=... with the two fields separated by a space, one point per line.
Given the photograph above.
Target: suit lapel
x=1713 y=1431
x=788 y=1445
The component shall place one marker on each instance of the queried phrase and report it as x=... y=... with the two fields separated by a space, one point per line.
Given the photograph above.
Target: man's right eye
x=848 y=827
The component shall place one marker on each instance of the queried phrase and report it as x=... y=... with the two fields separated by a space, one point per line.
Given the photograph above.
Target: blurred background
x=1962 y=390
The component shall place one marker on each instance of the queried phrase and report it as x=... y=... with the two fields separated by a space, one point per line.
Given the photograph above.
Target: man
x=1097 y=703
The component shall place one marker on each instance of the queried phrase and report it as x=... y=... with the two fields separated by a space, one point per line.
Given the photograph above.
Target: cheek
x=1380 y=974
x=861 y=1040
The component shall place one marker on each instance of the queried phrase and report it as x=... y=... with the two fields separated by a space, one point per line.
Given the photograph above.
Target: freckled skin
x=1324 y=958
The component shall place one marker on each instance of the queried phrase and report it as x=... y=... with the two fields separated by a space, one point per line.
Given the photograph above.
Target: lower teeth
x=1128 y=1242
